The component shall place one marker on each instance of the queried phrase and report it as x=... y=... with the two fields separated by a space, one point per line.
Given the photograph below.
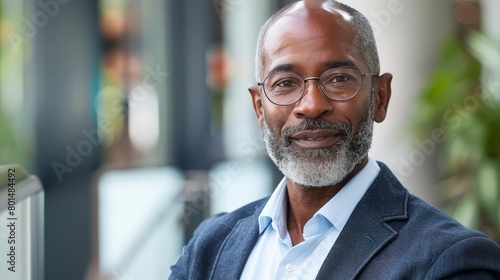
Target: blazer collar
x=367 y=231
x=237 y=247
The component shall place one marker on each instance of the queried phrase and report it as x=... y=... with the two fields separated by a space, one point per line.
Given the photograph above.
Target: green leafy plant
x=463 y=99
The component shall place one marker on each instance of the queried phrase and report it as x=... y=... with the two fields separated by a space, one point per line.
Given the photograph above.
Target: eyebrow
x=328 y=64
x=340 y=63
x=282 y=68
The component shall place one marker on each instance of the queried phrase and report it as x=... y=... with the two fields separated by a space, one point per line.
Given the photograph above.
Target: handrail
x=22 y=197
x=25 y=185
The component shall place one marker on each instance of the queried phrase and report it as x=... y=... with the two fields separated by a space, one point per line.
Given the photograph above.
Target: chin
x=317 y=184
x=315 y=173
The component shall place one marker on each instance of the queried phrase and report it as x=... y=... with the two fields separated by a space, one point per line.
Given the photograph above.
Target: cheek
x=361 y=109
x=275 y=117
x=362 y=112
x=354 y=111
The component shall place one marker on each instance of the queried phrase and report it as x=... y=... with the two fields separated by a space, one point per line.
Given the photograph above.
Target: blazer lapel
x=367 y=231
x=237 y=247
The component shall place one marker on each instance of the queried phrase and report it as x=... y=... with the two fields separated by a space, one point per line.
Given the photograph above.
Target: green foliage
x=460 y=100
x=12 y=148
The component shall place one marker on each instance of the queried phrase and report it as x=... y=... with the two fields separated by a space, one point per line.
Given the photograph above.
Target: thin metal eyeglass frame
x=363 y=75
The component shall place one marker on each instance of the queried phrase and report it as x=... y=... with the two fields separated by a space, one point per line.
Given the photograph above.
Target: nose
x=313 y=103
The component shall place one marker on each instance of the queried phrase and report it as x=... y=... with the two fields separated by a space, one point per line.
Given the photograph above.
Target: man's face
x=316 y=141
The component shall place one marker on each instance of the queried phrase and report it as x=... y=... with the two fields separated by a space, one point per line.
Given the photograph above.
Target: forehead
x=311 y=36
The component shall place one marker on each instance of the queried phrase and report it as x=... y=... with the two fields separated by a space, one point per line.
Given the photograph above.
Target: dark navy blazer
x=391 y=234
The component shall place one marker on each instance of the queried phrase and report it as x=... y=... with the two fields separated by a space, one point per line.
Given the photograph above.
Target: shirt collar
x=275 y=210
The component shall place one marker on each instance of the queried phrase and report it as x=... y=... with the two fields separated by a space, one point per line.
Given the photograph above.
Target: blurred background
x=136 y=119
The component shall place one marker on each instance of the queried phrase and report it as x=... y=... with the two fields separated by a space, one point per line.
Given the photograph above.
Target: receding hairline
x=345 y=12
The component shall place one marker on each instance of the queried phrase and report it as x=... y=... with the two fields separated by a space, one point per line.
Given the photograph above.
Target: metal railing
x=22 y=224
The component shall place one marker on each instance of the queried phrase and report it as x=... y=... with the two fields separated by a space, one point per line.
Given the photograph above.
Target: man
x=337 y=214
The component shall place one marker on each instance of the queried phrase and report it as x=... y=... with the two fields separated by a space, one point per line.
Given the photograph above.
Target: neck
x=304 y=202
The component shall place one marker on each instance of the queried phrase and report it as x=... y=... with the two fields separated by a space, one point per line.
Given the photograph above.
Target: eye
x=286 y=83
x=338 y=79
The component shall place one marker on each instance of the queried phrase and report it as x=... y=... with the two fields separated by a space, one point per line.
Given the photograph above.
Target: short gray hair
x=364 y=38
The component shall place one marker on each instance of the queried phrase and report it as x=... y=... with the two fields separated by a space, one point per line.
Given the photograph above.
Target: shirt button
x=289 y=267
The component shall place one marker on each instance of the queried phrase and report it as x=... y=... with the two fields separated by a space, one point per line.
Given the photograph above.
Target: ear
x=382 y=96
x=257 y=103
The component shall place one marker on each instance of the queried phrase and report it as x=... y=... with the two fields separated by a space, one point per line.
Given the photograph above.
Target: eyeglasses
x=338 y=84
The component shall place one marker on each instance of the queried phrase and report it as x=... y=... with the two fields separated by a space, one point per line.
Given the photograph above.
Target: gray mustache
x=312 y=124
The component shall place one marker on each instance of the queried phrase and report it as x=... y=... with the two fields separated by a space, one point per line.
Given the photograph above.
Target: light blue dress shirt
x=274 y=257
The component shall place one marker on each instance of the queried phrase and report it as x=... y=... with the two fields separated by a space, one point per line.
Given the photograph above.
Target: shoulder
x=421 y=220
x=453 y=249
x=199 y=256
x=472 y=256
x=437 y=243
x=414 y=213
x=430 y=221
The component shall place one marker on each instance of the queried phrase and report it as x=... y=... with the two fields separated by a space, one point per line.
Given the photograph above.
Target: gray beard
x=320 y=167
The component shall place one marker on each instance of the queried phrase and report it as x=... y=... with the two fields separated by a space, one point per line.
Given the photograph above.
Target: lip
x=315 y=139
